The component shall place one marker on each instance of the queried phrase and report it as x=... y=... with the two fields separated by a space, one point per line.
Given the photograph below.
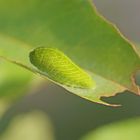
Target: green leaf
x=124 y=130
x=14 y=80
x=75 y=28
x=33 y=125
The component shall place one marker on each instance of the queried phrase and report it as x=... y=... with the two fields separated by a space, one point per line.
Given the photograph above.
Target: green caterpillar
x=60 y=68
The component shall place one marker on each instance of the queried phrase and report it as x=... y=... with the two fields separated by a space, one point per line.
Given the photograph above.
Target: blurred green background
x=72 y=117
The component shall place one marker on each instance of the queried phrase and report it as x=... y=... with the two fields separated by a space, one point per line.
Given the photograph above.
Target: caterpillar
x=60 y=68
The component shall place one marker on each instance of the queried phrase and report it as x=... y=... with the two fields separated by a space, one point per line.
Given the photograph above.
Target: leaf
x=75 y=28
x=14 y=80
x=45 y=61
x=34 y=125
x=123 y=130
